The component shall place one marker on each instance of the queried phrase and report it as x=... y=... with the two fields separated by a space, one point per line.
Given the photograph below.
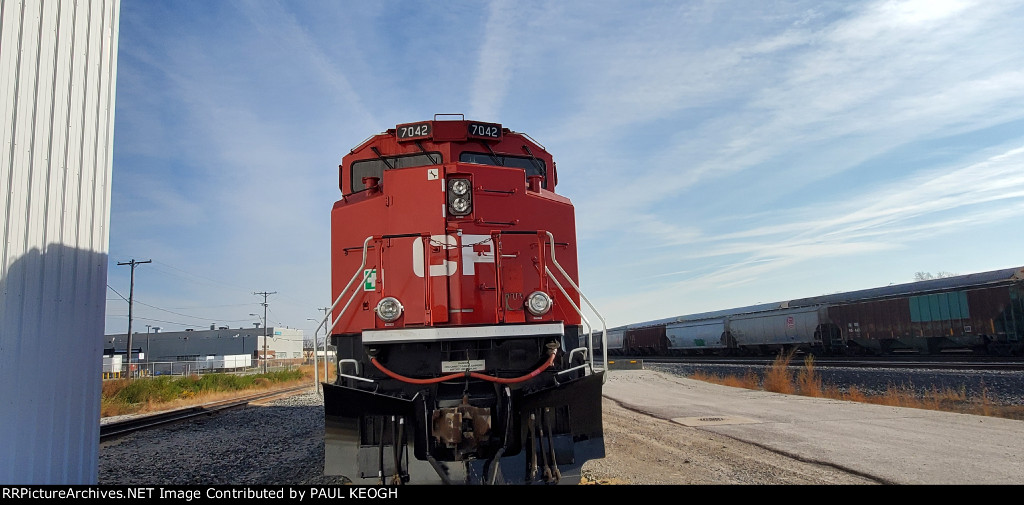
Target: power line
x=179 y=313
x=197 y=276
x=173 y=312
x=171 y=270
x=116 y=293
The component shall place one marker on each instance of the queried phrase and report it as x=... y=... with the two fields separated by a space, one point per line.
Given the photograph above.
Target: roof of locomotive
x=408 y=140
x=446 y=130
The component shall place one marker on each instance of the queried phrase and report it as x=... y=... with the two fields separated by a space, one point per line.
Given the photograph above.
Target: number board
x=484 y=130
x=413 y=131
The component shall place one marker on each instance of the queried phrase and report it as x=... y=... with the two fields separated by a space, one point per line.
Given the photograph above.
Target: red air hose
x=393 y=375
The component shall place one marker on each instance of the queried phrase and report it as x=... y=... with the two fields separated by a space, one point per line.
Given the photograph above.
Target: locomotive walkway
x=890 y=444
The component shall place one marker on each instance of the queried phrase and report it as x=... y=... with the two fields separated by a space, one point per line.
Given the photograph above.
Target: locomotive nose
x=457 y=330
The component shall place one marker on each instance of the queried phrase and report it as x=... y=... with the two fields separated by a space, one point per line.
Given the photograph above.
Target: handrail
x=547 y=271
x=574 y=306
x=366 y=275
x=355 y=364
x=587 y=363
x=590 y=336
x=428 y=295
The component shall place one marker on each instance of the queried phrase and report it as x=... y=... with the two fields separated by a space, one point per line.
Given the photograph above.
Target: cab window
x=377 y=166
x=532 y=166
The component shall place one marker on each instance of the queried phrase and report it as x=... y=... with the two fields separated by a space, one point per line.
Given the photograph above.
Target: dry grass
x=778 y=378
x=806 y=382
x=154 y=394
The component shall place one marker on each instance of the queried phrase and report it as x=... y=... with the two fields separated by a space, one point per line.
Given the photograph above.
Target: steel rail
x=908 y=362
x=115 y=429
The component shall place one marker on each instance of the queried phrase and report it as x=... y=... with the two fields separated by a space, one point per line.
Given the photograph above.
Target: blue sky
x=719 y=154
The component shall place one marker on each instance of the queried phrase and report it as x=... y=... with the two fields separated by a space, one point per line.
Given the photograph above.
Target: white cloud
x=709 y=147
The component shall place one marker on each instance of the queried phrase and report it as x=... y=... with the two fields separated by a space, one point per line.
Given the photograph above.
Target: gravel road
x=641 y=449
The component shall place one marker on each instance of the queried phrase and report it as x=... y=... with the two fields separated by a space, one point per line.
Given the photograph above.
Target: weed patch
x=149 y=394
x=779 y=379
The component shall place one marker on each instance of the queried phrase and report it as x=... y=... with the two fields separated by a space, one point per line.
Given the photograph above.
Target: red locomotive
x=463 y=355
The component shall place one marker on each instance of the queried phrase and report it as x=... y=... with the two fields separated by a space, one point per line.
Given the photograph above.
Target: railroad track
x=909 y=362
x=116 y=429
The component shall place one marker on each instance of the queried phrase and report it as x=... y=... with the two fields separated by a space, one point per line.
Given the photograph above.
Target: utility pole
x=327 y=328
x=131 y=298
x=265 y=325
x=149 y=359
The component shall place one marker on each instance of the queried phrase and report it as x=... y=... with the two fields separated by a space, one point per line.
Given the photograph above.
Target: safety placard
x=469 y=365
x=370 y=279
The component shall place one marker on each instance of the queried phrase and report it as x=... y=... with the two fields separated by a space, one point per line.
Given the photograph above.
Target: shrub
x=778 y=379
x=807 y=379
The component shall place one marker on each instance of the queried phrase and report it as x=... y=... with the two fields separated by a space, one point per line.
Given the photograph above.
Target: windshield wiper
x=382 y=158
x=536 y=162
x=494 y=157
x=428 y=153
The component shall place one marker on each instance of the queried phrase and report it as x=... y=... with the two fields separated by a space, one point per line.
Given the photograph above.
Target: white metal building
x=58 y=68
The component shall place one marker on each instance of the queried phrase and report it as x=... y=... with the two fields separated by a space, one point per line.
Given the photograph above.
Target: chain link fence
x=199 y=367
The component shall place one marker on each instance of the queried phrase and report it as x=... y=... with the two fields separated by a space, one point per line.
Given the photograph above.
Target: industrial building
x=219 y=347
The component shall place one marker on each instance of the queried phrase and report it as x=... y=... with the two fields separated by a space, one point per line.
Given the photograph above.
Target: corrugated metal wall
x=58 y=67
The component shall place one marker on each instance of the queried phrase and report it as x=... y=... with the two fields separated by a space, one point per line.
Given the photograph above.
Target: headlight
x=389 y=309
x=538 y=303
x=460 y=205
x=460 y=197
x=460 y=186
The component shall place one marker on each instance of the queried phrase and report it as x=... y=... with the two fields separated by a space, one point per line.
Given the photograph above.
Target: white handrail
x=589 y=327
x=576 y=308
x=327 y=333
x=590 y=336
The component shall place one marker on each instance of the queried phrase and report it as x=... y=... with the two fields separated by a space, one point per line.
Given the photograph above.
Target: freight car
x=463 y=353
x=609 y=343
x=645 y=340
x=641 y=339
x=982 y=312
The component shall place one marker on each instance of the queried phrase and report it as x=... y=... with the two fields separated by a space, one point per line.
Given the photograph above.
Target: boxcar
x=645 y=341
x=985 y=319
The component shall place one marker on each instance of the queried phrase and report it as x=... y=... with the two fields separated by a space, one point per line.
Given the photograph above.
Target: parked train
x=982 y=312
x=461 y=356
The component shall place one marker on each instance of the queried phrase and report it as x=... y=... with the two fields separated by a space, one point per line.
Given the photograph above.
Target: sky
x=718 y=154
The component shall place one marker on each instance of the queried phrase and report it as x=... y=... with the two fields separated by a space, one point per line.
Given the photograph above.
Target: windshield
x=533 y=166
x=376 y=167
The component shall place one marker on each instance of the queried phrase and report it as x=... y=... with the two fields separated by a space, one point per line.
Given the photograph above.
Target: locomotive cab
x=463 y=352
